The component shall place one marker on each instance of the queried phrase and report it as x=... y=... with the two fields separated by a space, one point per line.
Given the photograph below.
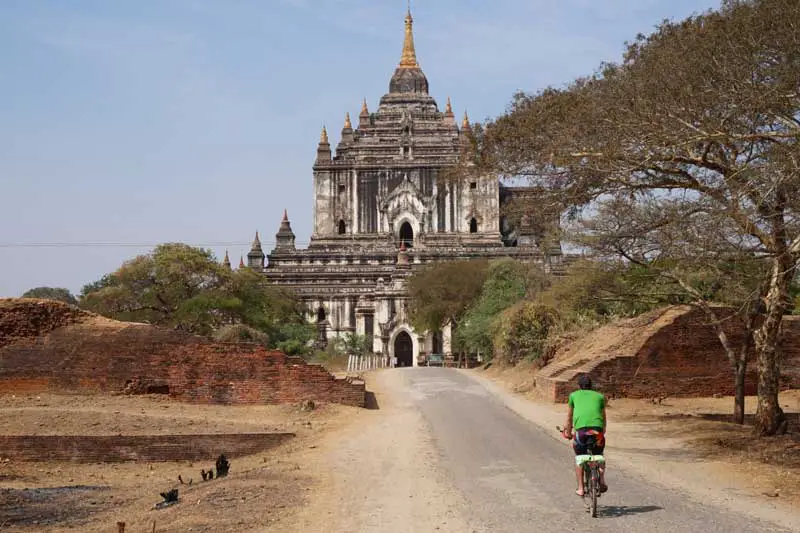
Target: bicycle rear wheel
x=594 y=489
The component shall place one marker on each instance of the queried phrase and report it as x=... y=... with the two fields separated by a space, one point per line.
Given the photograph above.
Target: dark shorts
x=589 y=439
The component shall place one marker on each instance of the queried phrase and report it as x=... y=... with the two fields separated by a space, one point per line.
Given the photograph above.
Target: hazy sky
x=135 y=122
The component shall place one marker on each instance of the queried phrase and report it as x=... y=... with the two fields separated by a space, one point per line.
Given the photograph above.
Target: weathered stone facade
x=381 y=209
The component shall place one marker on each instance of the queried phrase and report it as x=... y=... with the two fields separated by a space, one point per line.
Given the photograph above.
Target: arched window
x=406 y=235
x=321 y=314
x=473 y=225
x=342 y=227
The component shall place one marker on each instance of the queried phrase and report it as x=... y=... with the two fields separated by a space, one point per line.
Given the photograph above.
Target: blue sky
x=143 y=121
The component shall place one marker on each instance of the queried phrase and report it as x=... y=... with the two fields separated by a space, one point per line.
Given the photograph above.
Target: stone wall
x=123 y=448
x=670 y=353
x=100 y=355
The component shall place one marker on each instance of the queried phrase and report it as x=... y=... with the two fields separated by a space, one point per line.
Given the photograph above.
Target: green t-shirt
x=587 y=409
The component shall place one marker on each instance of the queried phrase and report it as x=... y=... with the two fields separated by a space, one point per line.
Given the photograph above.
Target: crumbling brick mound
x=88 y=353
x=26 y=318
x=671 y=352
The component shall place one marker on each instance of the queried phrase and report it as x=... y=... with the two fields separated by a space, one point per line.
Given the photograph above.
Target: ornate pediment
x=405 y=198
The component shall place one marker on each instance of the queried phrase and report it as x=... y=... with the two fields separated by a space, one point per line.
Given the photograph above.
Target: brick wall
x=682 y=358
x=98 y=355
x=119 y=448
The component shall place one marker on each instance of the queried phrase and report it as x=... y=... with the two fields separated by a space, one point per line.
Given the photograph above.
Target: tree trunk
x=770 y=419
x=738 y=398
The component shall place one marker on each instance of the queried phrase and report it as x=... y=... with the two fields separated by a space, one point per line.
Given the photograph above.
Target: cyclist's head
x=585 y=382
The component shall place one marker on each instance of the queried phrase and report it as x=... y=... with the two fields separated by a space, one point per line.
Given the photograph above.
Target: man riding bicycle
x=586 y=422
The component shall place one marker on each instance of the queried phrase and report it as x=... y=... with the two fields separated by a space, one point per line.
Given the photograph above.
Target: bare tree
x=684 y=251
x=704 y=113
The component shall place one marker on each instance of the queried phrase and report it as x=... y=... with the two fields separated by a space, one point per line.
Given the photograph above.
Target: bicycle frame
x=590 y=464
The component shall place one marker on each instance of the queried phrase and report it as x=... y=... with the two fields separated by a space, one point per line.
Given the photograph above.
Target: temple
x=382 y=208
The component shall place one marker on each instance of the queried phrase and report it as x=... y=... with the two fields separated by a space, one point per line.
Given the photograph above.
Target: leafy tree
x=106 y=281
x=442 y=292
x=185 y=288
x=354 y=344
x=696 y=129
x=176 y=285
x=507 y=282
x=51 y=293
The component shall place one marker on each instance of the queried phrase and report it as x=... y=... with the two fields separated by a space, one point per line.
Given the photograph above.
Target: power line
x=87 y=244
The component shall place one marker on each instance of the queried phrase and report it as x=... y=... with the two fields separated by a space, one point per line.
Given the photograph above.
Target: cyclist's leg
x=579 y=446
x=600 y=447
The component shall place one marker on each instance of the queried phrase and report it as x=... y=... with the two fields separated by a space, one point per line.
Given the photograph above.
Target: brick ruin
x=672 y=352
x=50 y=346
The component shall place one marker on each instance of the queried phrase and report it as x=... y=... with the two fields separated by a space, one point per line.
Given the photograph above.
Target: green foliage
x=442 y=292
x=176 y=286
x=353 y=344
x=239 y=333
x=522 y=332
x=507 y=282
x=599 y=291
x=51 y=293
x=185 y=288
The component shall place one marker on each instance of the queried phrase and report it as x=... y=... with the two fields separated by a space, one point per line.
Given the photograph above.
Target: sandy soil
x=380 y=474
x=688 y=444
x=261 y=491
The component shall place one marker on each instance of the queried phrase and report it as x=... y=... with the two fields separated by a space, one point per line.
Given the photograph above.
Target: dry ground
x=261 y=491
x=682 y=432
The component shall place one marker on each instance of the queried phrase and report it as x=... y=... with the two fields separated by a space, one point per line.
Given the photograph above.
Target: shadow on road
x=370 y=401
x=622 y=510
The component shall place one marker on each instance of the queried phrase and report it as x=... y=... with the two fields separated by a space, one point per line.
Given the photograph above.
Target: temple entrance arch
x=404 y=349
x=406 y=234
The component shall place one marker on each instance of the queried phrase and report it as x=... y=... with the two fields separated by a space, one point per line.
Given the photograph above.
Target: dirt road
x=444 y=453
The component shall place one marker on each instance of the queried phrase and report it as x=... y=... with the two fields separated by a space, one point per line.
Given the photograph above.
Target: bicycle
x=590 y=465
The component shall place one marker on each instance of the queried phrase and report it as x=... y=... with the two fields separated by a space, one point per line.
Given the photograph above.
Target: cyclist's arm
x=605 y=420
x=568 y=424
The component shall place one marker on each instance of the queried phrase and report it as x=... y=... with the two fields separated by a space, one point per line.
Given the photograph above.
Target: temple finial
x=323 y=138
x=347 y=124
x=465 y=122
x=409 y=57
x=241 y=261
x=364 y=110
x=449 y=108
x=285 y=215
x=227 y=261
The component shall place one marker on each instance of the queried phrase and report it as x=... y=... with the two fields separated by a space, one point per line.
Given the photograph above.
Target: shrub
x=239 y=333
x=522 y=332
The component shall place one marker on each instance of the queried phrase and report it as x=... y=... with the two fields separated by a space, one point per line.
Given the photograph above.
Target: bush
x=522 y=332
x=508 y=281
x=239 y=333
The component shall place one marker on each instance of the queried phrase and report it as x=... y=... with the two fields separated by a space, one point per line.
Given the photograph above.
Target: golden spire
x=449 y=108
x=347 y=124
x=364 y=110
x=465 y=122
x=409 y=57
x=323 y=138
